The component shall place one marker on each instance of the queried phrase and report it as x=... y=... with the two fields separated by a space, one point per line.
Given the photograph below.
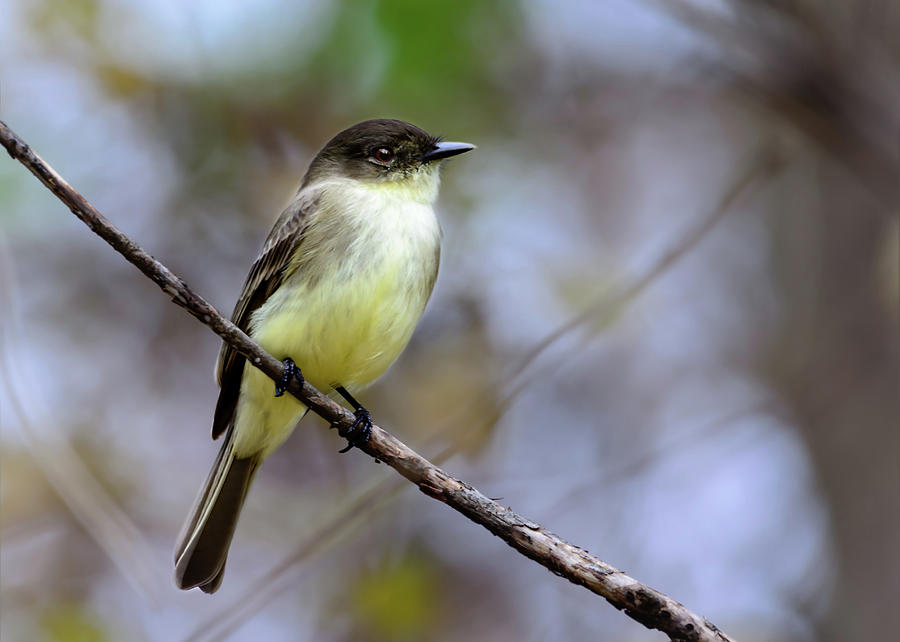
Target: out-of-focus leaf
x=120 y=81
x=430 y=57
x=432 y=54
x=24 y=492
x=580 y=291
x=78 y=16
x=399 y=600
x=71 y=623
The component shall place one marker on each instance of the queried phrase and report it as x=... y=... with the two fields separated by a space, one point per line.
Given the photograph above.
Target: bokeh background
x=666 y=325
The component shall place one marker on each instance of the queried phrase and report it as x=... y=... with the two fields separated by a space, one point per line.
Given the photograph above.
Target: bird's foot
x=359 y=433
x=291 y=371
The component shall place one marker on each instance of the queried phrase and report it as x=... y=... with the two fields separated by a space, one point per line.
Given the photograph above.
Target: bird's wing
x=269 y=271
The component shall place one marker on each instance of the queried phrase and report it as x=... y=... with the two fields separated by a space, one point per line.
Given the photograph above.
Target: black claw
x=359 y=433
x=291 y=371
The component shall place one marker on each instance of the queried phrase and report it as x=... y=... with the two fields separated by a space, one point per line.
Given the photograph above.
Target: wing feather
x=268 y=272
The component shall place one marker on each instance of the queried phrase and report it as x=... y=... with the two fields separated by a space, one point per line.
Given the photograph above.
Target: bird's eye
x=383 y=155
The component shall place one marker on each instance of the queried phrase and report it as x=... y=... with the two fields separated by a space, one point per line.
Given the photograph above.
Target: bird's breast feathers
x=358 y=284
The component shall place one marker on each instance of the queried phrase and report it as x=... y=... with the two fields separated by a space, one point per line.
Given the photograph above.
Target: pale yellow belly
x=342 y=333
x=339 y=331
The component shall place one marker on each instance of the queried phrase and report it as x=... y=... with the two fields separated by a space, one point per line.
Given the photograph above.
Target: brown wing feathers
x=268 y=272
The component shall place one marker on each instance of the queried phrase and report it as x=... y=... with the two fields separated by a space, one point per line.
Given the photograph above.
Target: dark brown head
x=380 y=150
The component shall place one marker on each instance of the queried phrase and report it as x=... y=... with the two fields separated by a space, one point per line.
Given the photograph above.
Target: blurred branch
x=763 y=164
x=791 y=64
x=642 y=603
x=226 y=620
x=89 y=502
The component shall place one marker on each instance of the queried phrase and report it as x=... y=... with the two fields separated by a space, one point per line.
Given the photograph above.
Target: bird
x=336 y=292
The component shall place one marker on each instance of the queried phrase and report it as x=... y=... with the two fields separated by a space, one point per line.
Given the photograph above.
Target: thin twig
x=642 y=603
x=762 y=164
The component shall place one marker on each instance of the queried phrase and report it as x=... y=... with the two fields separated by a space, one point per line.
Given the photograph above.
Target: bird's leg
x=291 y=371
x=361 y=429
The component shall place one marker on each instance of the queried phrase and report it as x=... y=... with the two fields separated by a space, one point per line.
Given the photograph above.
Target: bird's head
x=385 y=153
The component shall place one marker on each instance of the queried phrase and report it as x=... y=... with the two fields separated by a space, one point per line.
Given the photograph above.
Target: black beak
x=446 y=150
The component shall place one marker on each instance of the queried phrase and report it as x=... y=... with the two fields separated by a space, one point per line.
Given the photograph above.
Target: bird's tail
x=203 y=544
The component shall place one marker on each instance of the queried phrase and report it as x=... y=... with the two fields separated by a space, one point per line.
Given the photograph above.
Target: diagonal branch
x=642 y=603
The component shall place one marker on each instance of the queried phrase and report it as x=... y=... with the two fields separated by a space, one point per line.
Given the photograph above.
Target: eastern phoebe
x=338 y=289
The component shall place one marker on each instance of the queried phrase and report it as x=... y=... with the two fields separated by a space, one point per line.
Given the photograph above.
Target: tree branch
x=642 y=603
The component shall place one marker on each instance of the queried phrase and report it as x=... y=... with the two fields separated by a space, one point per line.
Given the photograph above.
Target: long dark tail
x=203 y=545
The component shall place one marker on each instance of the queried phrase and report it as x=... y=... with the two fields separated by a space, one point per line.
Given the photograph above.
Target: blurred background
x=666 y=325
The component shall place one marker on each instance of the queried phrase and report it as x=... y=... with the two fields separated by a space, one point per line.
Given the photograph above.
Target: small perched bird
x=336 y=292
